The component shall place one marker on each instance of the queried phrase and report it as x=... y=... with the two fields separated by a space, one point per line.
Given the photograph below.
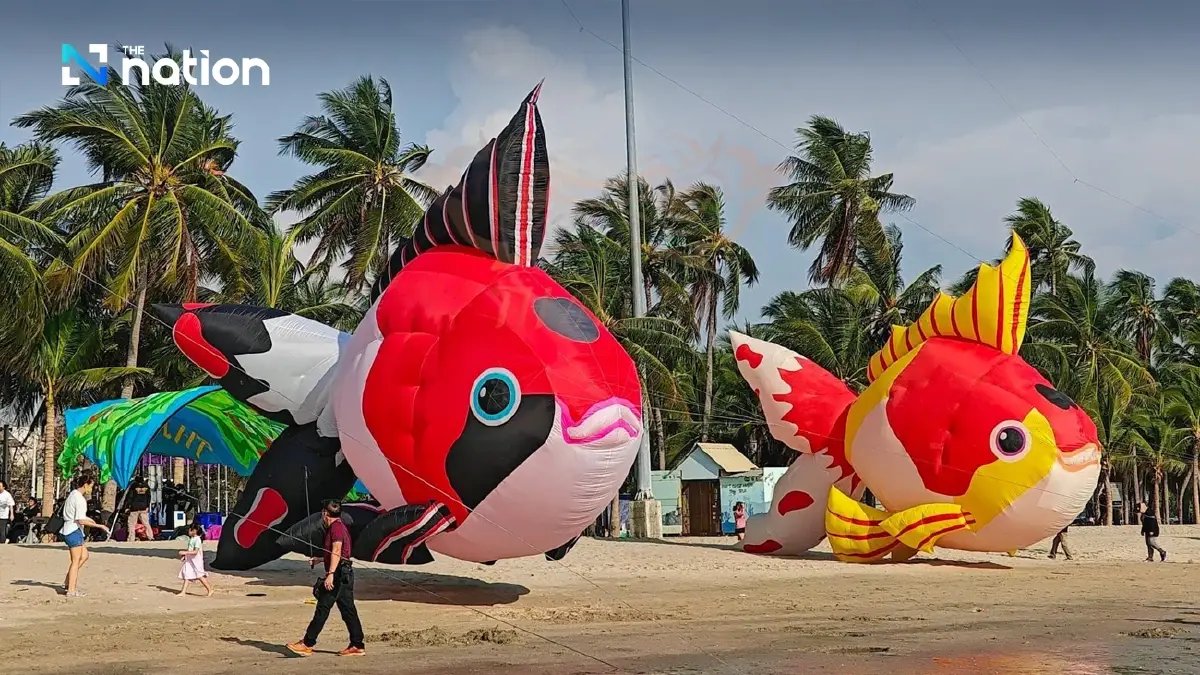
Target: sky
x=1090 y=106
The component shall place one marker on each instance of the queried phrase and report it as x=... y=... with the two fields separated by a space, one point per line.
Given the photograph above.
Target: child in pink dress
x=739 y=520
x=193 y=562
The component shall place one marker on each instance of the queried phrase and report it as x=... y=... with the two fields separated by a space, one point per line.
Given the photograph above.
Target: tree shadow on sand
x=371 y=582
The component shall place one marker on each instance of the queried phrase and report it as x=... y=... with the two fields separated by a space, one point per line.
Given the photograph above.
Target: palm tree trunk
x=1107 y=517
x=708 y=377
x=1137 y=481
x=1158 y=495
x=108 y=500
x=49 y=453
x=1195 y=480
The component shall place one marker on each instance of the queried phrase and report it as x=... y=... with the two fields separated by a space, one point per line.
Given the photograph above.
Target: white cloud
x=964 y=184
x=584 y=121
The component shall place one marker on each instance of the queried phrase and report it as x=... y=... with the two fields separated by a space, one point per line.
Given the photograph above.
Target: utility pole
x=646 y=514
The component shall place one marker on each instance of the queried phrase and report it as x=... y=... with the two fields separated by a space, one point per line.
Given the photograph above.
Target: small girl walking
x=193 y=562
x=739 y=520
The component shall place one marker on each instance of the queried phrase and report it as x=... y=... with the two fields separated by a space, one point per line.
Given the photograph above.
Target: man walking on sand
x=138 y=500
x=337 y=587
x=1060 y=539
x=1150 y=531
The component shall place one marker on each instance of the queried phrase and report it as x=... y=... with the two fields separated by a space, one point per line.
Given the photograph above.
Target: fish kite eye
x=495 y=397
x=1010 y=440
x=1054 y=396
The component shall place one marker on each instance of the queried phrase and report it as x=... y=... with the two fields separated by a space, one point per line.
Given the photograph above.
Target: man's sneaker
x=1162 y=556
x=300 y=649
x=353 y=651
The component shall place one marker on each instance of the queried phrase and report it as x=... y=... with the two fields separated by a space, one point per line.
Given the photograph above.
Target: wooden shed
x=700 y=472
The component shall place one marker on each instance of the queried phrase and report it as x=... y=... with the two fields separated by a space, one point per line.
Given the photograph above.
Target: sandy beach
x=677 y=606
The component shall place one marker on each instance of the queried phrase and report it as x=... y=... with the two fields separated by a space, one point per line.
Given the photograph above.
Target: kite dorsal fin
x=499 y=205
x=993 y=312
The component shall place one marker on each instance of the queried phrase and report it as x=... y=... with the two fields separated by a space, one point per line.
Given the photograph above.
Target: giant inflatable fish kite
x=489 y=414
x=965 y=444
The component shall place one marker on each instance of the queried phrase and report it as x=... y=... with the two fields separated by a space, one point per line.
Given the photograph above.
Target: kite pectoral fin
x=398 y=536
x=920 y=527
x=855 y=530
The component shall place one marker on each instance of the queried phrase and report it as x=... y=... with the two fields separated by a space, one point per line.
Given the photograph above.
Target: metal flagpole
x=642 y=474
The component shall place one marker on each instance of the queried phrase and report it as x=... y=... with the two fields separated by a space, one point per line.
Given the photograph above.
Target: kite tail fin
x=280 y=364
x=293 y=478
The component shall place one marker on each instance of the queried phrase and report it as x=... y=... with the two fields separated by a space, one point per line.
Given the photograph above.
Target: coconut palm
x=718 y=268
x=1052 y=250
x=277 y=279
x=66 y=363
x=26 y=176
x=1183 y=405
x=165 y=207
x=1161 y=447
x=833 y=198
x=825 y=325
x=364 y=200
x=663 y=266
x=1137 y=313
x=878 y=284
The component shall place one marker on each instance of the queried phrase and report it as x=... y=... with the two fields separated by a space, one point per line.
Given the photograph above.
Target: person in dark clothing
x=138 y=500
x=1150 y=532
x=1060 y=539
x=337 y=587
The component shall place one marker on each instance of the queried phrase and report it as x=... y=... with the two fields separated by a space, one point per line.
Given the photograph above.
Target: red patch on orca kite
x=196 y=305
x=745 y=353
x=268 y=510
x=795 y=500
x=191 y=342
x=768 y=546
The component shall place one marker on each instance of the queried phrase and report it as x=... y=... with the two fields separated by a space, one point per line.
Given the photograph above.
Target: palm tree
x=663 y=265
x=825 y=325
x=364 y=200
x=1163 y=444
x=718 y=268
x=64 y=363
x=878 y=284
x=1052 y=250
x=165 y=207
x=833 y=198
x=277 y=279
x=1137 y=314
x=1183 y=405
x=26 y=176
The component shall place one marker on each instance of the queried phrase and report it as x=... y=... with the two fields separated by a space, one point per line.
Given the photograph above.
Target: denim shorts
x=73 y=540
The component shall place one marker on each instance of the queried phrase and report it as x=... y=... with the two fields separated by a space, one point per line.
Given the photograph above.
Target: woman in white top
x=75 y=519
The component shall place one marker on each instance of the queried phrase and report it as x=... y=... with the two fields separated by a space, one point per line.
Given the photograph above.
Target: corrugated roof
x=727 y=457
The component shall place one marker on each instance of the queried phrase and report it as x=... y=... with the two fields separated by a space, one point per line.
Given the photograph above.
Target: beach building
x=698 y=493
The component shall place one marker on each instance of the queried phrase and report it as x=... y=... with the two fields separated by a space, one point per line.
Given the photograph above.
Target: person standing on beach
x=1150 y=531
x=739 y=520
x=8 y=507
x=336 y=588
x=1060 y=539
x=139 y=509
x=75 y=519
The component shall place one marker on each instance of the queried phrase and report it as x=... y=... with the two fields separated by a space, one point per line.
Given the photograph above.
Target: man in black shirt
x=138 y=501
x=1150 y=531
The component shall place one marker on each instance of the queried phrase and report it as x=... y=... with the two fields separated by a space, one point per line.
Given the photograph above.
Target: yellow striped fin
x=994 y=312
x=855 y=531
x=920 y=527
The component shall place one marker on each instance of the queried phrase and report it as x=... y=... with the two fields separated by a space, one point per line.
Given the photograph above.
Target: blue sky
x=1108 y=86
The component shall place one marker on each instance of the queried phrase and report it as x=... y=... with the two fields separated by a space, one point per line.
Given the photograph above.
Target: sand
x=677 y=606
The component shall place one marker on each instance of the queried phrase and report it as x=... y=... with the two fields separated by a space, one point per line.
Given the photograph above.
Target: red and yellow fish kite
x=965 y=444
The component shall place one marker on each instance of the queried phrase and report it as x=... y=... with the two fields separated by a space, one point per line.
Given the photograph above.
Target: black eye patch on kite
x=568 y=319
x=1054 y=396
